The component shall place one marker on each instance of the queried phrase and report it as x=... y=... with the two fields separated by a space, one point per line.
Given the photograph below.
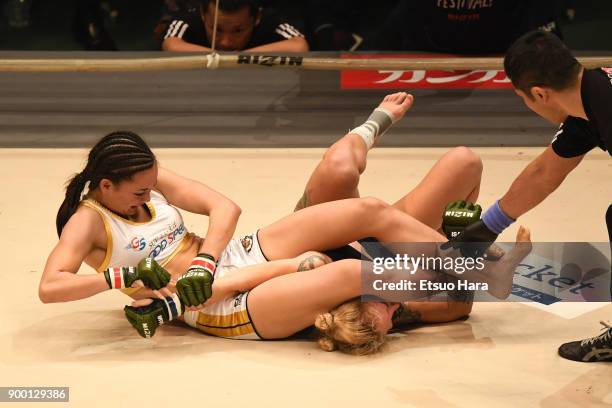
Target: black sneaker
x=598 y=348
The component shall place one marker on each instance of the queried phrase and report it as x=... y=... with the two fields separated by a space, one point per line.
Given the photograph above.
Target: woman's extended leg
x=336 y=177
x=334 y=224
x=455 y=176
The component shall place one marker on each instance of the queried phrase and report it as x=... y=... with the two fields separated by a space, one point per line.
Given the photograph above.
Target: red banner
x=407 y=80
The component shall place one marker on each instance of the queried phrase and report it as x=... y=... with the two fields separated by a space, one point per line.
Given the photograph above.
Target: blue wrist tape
x=496 y=220
x=173 y=306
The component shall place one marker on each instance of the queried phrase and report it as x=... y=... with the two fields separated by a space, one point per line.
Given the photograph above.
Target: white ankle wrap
x=377 y=124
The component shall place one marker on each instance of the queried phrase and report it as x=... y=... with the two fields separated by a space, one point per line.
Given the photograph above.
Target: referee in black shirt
x=553 y=84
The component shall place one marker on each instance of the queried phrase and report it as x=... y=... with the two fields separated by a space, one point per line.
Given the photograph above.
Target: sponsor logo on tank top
x=137 y=244
x=172 y=234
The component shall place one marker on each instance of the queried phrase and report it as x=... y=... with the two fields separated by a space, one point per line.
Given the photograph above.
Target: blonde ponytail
x=349 y=329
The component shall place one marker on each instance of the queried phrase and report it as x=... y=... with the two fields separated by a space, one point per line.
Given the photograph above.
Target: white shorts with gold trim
x=230 y=317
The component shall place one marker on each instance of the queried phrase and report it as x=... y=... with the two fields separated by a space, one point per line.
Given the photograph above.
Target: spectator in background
x=336 y=25
x=169 y=10
x=294 y=11
x=330 y=26
x=568 y=8
x=241 y=25
x=17 y=12
x=462 y=26
x=90 y=25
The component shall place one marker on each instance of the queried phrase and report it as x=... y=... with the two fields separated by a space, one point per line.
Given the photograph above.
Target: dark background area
x=223 y=108
x=132 y=29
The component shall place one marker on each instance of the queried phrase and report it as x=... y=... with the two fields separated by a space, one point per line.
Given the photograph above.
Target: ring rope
x=214 y=39
x=214 y=61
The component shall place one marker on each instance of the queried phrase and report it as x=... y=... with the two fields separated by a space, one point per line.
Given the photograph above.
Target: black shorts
x=371 y=245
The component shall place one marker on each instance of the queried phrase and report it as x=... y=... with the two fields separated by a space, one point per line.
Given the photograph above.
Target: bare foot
x=397 y=104
x=496 y=276
x=501 y=272
x=494 y=252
